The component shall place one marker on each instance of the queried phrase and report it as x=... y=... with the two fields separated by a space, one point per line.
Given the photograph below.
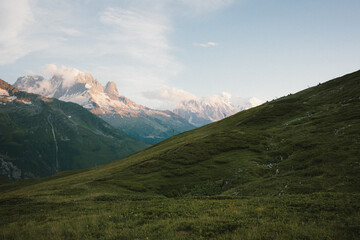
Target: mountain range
x=203 y=111
x=41 y=136
x=137 y=121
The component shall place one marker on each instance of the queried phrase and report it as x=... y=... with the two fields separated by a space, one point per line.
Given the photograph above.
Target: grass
x=312 y=216
x=289 y=169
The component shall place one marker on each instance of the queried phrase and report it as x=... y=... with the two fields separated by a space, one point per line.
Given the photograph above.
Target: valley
x=287 y=169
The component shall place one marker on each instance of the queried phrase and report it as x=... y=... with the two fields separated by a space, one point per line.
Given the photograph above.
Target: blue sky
x=260 y=48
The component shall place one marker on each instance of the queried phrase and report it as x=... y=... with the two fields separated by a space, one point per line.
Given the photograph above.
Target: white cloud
x=70 y=31
x=207 y=44
x=14 y=22
x=68 y=74
x=13 y=19
x=27 y=26
x=140 y=39
x=170 y=94
x=12 y=51
x=206 y=5
x=31 y=72
x=179 y=6
x=139 y=34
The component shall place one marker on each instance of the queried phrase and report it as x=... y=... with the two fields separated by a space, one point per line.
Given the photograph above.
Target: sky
x=160 y=52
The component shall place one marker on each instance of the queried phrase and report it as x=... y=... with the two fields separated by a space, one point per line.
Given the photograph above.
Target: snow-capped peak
x=89 y=80
x=245 y=103
x=216 y=100
x=85 y=91
x=213 y=108
x=255 y=101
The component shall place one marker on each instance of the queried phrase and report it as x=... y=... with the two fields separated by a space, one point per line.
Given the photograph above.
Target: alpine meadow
x=179 y=120
x=288 y=169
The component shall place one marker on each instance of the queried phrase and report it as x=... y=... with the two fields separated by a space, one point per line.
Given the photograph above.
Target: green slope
x=311 y=137
x=48 y=136
x=288 y=169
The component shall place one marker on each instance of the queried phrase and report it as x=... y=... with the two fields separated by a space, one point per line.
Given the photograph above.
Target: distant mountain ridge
x=40 y=136
x=136 y=120
x=200 y=112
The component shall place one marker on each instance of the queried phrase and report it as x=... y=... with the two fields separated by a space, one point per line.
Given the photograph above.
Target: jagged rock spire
x=111 y=89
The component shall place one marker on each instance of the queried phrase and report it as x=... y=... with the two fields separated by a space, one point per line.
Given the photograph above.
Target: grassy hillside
x=288 y=169
x=41 y=136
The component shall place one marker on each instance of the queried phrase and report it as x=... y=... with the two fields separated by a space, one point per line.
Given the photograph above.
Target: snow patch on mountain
x=241 y=104
x=203 y=111
x=3 y=92
x=35 y=84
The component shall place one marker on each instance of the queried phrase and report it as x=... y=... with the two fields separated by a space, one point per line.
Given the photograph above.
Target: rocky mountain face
x=138 y=121
x=41 y=136
x=200 y=112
